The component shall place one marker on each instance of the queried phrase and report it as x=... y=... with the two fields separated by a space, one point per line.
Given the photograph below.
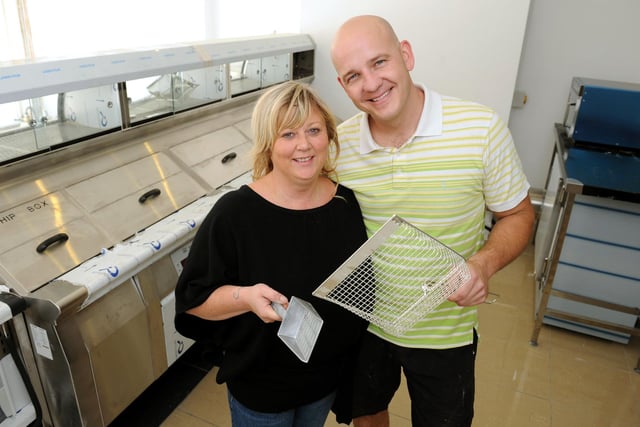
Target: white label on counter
x=41 y=341
x=180 y=256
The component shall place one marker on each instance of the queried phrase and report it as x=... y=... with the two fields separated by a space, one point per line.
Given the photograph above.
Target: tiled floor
x=568 y=380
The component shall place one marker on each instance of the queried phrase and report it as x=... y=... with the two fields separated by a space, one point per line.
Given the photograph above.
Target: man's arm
x=507 y=239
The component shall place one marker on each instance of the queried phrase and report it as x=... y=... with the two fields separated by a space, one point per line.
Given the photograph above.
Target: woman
x=278 y=237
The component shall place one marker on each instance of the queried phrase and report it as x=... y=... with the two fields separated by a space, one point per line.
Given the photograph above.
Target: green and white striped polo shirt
x=460 y=161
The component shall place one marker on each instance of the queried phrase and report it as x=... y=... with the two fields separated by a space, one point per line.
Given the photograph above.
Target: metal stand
x=562 y=202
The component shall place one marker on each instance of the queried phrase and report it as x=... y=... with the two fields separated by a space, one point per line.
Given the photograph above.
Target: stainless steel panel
x=44 y=179
x=156 y=282
x=28 y=221
x=127 y=216
x=185 y=131
x=47 y=361
x=117 y=336
x=159 y=280
x=217 y=157
x=104 y=189
x=226 y=166
x=31 y=269
x=245 y=127
x=207 y=146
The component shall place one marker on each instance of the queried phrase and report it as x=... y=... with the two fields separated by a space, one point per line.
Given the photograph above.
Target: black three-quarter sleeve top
x=246 y=240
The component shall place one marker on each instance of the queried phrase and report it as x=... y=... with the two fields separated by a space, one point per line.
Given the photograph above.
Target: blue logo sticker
x=112 y=270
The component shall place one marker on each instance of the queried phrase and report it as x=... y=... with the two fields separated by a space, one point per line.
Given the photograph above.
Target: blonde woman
x=278 y=237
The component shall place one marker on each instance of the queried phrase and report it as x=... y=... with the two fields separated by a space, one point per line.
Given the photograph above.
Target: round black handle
x=58 y=238
x=229 y=157
x=16 y=303
x=149 y=195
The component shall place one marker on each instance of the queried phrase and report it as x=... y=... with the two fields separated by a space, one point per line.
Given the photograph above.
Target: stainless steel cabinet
x=587 y=248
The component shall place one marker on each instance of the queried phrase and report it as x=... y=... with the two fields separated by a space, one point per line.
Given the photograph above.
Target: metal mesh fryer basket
x=396 y=277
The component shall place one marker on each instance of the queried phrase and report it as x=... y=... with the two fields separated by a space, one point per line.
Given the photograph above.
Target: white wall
x=585 y=38
x=224 y=18
x=466 y=48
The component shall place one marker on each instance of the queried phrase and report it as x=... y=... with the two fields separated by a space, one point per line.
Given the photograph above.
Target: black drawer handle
x=229 y=157
x=149 y=195
x=58 y=238
x=16 y=303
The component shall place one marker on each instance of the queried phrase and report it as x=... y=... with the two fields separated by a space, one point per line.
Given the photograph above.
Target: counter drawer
x=125 y=217
x=32 y=269
x=31 y=220
x=208 y=146
x=101 y=190
x=217 y=157
x=226 y=166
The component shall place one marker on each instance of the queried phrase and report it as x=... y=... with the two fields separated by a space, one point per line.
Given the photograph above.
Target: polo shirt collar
x=430 y=123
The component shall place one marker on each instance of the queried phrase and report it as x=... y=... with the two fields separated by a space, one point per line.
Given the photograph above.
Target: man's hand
x=475 y=290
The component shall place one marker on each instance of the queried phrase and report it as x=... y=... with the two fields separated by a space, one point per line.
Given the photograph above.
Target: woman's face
x=300 y=154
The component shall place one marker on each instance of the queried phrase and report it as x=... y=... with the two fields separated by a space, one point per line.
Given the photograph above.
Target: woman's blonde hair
x=287 y=106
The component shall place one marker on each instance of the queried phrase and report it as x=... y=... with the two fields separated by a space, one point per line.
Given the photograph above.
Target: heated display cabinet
x=108 y=165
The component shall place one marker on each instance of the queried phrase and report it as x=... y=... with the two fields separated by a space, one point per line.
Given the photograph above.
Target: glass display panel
x=38 y=125
x=275 y=69
x=55 y=103
x=198 y=87
x=17 y=134
x=245 y=76
x=150 y=97
x=170 y=93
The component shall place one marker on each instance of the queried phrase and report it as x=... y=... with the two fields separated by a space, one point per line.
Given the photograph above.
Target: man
x=438 y=162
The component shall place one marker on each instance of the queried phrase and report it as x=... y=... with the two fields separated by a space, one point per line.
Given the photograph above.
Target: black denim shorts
x=441 y=383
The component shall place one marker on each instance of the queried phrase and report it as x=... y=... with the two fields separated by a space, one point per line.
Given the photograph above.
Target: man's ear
x=407 y=54
x=340 y=81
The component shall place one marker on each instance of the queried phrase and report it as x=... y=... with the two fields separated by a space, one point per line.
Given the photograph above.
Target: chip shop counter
x=97 y=212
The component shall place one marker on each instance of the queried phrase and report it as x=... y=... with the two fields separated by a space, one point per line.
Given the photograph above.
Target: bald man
x=440 y=163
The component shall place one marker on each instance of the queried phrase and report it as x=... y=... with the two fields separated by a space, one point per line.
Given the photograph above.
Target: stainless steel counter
x=96 y=223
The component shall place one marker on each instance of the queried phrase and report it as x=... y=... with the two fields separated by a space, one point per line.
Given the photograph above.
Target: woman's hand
x=259 y=298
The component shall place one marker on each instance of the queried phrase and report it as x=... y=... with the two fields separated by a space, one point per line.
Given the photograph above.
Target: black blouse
x=246 y=240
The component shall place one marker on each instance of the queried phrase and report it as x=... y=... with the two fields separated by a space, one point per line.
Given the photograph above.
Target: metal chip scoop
x=300 y=326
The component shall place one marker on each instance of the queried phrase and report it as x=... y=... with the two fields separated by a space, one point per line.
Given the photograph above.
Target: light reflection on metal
x=163 y=176
x=58 y=222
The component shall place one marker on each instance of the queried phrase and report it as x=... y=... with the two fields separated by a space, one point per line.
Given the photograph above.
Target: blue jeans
x=312 y=415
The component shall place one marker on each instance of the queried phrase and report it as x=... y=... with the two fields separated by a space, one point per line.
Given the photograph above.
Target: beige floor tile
x=632 y=352
x=182 y=419
x=516 y=367
x=208 y=401
x=573 y=379
x=400 y=407
x=398 y=421
x=592 y=413
x=499 y=407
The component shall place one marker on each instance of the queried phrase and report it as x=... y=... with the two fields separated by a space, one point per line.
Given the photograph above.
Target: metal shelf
x=39 y=78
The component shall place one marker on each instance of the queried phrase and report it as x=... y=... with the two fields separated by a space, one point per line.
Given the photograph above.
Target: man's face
x=373 y=69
